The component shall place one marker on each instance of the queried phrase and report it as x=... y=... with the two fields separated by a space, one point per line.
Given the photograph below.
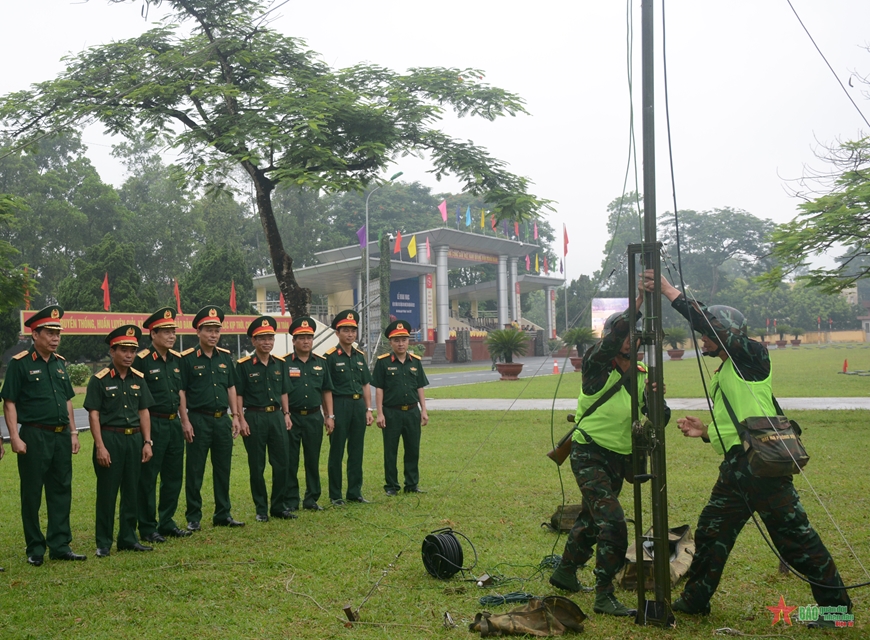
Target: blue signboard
x=405 y=301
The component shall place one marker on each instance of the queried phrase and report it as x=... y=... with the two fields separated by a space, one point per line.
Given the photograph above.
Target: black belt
x=305 y=412
x=270 y=409
x=164 y=416
x=46 y=427
x=403 y=407
x=128 y=431
x=213 y=414
x=353 y=396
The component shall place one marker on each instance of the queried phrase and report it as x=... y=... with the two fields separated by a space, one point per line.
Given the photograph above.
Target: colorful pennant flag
x=565 y=236
x=482 y=217
x=492 y=222
x=546 y=266
x=398 y=247
x=536 y=231
x=528 y=263
x=107 y=302
x=412 y=247
x=537 y=264
x=282 y=303
x=362 y=234
x=516 y=230
x=233 y=296
x=443 y=209
x=458 y=215
x=468 y=216
x=177 y=298
x=504 y=228
x=428 y=249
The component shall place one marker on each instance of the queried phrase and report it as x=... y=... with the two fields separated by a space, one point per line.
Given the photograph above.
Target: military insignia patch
x=135 y=386
x=212 y=313
x=131 y=331
x=55 y=314
x=167 y=314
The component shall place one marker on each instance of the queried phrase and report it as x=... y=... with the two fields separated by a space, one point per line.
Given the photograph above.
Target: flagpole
x=565 y=266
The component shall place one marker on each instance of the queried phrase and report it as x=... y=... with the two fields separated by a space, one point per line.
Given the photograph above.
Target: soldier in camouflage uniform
x=600 y=453
x=745 y=379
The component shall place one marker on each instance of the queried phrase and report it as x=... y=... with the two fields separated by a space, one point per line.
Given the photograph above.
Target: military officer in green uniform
x=401 y=404
x=208 y=387
x=117 y=401
x=162 y=368
x=309 y=381
x=37 y=395
x=348 y=410
x=261 y=389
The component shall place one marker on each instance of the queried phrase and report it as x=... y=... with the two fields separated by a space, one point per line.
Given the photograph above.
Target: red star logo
x=781 y=611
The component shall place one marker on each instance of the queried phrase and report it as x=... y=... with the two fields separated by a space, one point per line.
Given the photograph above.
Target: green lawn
x=486 y=477
x=802 y=372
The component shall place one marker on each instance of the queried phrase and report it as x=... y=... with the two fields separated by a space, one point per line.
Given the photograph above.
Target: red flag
x=528 y=263
x=398 y=248
x=177 y=298
x=233 y=296
x=517 y=229
x=107 y=303
x=492 y=220
x=546 y=266
x=536 y=231
x=565 y=234
x=282 y=303
x=428 y=249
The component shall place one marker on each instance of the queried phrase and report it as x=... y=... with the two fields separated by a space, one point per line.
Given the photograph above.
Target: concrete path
x=677 y=404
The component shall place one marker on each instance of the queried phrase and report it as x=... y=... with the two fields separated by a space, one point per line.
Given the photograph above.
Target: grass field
x=804 y=372
x=487 y=478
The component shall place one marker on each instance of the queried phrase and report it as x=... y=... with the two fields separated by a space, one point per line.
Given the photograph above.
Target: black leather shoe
x=154 y=537
x=338 y=503
x=178 y=533
x=193 y=526
x=414 y=490
x=313 y=507
x=69 y=555
x=362 y=500
x=261 y=518
x=136 y=547
x=103 y=552
x=287 y=514
x=391 y=492
x=35 y=561
x=229 y=522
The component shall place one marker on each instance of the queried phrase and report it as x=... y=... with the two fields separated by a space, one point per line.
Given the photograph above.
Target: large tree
x=229 y=91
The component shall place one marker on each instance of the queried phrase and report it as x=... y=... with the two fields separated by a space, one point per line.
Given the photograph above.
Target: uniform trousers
x=121 y=475
x=47 y=464
x=350 y=430
x=307 y=433
x=268 y=432
x=167 y=461
x=404 y=425
x=213 y=435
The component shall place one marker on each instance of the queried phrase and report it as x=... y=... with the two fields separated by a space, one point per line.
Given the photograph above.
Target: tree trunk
x=296 y=298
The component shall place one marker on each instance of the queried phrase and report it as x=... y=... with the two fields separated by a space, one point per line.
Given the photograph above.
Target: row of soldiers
x=150 y=407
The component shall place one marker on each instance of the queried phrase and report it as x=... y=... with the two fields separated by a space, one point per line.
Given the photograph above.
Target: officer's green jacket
x=206 y=381
x=39 y=389
x=399 y=380
x=118 y=400
x=307 y=381
x=163 y=378
x=349 y=372
x=261 y=384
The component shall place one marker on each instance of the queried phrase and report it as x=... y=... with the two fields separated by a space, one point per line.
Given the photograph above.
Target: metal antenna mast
x=648 y=435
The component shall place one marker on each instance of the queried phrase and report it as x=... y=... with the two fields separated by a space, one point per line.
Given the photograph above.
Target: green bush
x=417 y=349
x=79 y=374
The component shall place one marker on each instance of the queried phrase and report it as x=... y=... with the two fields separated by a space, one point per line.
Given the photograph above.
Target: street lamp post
x=366 y=294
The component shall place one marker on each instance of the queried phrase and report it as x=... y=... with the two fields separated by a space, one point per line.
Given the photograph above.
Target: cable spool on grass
x=442 y=554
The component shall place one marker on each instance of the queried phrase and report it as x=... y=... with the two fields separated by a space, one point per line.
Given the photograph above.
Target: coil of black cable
x=442 y=554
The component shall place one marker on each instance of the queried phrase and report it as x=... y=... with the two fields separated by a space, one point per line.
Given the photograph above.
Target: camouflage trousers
x=777 y=503
x=599 y=474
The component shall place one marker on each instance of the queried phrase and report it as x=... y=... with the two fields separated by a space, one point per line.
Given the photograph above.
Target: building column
x=516 y=312
x=502 y=292
x=442 y=297
x=423 y=305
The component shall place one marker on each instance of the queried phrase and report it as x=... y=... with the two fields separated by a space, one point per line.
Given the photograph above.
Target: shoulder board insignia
x=415 y=356
x=175 y=353
x=136 y=372
x=317 y=355
x=359 y=351
x=384 y=355
x=143 y=353
x=19 y=356
x=331 y=351
x=60 y=357
x=222 y=350
x=279 y=358
x=245 y=359
x=102 y=374
x=187 y=352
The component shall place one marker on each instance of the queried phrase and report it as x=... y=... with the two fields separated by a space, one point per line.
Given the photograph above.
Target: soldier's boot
x=565 y=578
x=608 y=604
x=684 y=607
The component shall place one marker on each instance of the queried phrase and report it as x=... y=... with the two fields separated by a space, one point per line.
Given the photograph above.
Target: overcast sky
x=750 y=98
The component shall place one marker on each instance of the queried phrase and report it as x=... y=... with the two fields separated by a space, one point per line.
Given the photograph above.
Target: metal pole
x=565 y=267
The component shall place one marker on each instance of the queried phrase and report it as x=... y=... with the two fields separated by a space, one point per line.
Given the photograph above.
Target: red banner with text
x=99 y=323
